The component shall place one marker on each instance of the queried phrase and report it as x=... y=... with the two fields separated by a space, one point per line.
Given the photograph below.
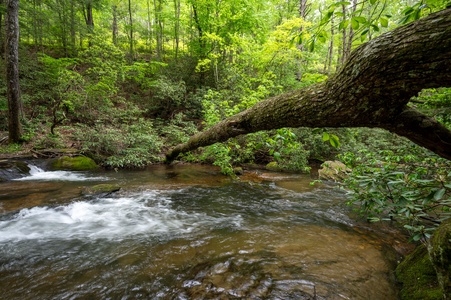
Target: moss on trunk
x=418 y=278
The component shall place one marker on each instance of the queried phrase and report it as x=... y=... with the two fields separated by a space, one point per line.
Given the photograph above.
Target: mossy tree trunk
x=371 y=90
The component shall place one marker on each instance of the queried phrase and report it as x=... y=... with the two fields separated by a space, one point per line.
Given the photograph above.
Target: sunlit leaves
x=332 y=138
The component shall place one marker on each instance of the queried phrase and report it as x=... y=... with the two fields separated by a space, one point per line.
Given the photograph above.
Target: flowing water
x=187 y=232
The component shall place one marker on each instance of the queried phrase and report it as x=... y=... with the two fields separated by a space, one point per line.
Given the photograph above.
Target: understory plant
x=411 y=189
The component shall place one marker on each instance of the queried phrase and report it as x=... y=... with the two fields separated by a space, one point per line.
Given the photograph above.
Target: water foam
x=148 y=214
x=37 y=173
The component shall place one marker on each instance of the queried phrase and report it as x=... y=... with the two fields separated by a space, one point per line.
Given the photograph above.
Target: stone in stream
x=12 y=169
x=102 y=190
x=78 y=163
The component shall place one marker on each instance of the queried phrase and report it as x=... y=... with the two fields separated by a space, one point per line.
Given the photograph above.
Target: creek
x=188 y=232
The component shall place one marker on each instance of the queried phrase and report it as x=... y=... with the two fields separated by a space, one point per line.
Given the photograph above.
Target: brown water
x=188 y=232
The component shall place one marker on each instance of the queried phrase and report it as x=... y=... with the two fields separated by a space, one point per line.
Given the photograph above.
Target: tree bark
x=130 y=15
x=12 y=71
x=371 y=90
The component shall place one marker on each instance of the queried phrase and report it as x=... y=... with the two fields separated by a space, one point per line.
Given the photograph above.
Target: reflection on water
x=188 y=232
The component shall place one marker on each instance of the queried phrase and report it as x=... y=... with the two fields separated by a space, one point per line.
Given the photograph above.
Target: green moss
x=418 y=278
x=98 y=189
x=79 y=163
x=273 y=166
x=440 y=253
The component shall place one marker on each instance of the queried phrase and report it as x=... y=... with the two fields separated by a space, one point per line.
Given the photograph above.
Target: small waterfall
x=35 y=170
x=36 y=173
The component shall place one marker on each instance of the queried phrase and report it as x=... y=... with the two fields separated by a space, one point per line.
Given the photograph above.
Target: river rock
x=78 y=163
x=440 y=253
x=273 y=166
x=103 y=189
x=334 y=171
x=12 y=169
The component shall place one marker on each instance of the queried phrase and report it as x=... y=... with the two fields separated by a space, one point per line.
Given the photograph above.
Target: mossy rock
x=273 y=166
x=334 y=171
x=78 y=163
x=440 y=253
x=100 y=189
x=238 y=171
x=418 y=277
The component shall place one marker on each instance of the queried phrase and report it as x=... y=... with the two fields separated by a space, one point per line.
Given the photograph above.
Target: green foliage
x=168 y=97
x=219 y=155
x=134 y=145
x=436 y=103
x=411 y=189
x=176 y=131
x=422 y=8
x=11 y=148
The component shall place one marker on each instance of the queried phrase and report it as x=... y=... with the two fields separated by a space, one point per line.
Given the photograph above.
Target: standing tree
x=12 y=71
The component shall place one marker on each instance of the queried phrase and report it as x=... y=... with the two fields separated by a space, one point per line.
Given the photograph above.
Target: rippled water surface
x=187 y=232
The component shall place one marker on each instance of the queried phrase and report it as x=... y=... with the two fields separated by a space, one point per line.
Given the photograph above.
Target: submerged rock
x=78 y=163
x=12 y=169
x=104 y=189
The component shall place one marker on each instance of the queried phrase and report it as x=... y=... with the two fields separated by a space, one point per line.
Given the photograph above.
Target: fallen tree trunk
x=371 y=90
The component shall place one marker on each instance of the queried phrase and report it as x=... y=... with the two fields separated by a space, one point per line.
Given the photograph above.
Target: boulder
x=273 y=166
x=103 y=189
x=334 y=171
x=12 y=169
x=77 y=163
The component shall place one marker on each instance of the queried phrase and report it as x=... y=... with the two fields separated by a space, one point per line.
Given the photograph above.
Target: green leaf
x=354 y=24
x=334 y=141
x=343 y=24
x=325 y=136
x=439 y=194
x=372 y=2
x=361 y=20
x=311 y=46
x=384 y=22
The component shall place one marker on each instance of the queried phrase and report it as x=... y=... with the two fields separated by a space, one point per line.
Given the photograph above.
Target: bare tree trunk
x=89 y=19
x=2 y=42
x=12 y=71
x=149 y=27
x=350 y=35
x=330 y=52
x=114 y=27
x=132 y=54
x=371 y=90
x=303 y=8
x=177 y=27
x=72 y=29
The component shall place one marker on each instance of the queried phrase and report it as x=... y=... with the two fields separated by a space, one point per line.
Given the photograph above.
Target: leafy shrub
x=411 y=189
x=134 y=145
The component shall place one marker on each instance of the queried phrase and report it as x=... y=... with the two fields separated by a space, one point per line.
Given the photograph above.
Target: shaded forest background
x=123 y=81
